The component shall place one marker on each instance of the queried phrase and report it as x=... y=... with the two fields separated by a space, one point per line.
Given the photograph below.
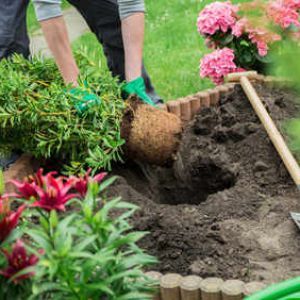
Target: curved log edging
x=187 y=107
x=176 y=287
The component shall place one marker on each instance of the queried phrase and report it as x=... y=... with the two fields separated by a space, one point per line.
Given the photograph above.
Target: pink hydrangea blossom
x=284 y=13
x=218 y=64
x=259 y=36
x=262 y=38
x=239 y=27
x=217 y=16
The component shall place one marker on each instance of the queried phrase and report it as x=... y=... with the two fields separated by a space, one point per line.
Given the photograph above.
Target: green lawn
x=173 y=47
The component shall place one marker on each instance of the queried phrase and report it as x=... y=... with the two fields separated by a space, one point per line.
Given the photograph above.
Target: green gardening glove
x=83 y=98
x=137 y=87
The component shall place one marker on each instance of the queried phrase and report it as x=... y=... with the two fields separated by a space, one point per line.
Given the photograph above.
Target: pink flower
x=27 y=188
x=258 y=36
x=217 y=16
x=8 y=219
x=239 y=27
x=284 y=13
x=55 y=193
x=294 y=4
x=81 y=183
x=262 y=38
x=218 y=64
x=18 y=260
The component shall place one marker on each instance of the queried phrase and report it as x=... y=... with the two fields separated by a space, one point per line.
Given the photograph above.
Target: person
x=13 y=39
x=13 y=31
x=119 y=27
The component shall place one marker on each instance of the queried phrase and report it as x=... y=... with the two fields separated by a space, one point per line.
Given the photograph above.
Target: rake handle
x=272 y=131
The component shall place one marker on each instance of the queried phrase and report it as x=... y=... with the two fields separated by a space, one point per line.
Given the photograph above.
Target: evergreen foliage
x=37 y=113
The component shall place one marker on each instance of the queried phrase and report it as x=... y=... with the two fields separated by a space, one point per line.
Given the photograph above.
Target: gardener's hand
x=83 y=98
x=137 y=87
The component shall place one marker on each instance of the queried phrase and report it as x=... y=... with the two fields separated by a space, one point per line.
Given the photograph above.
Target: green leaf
x=41 y=239
x=53 y=220
x=100 y=286
x=105 y=184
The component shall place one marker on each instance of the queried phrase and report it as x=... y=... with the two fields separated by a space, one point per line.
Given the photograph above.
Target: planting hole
x=177 y=185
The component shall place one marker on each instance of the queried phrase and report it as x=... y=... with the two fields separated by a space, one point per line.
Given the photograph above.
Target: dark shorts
x=103 y=18
x=13 y=32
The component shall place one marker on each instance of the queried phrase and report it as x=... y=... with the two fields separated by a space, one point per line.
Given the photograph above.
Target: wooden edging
x=186 y=108
x=176 y=287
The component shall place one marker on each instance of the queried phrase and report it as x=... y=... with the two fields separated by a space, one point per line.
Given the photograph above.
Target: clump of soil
x=151 y=134
x=223 y=208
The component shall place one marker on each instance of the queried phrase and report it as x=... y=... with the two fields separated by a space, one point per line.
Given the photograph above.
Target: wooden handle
x=273 y=133
x=235 y=77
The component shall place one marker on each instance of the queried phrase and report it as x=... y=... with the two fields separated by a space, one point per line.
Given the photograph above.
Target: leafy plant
x=37 y=114
x=83 y=253
x=250 y=30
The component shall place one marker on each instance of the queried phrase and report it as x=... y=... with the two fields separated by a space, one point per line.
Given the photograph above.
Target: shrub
x=250 y=30
x=37 y=114
x=67 y=245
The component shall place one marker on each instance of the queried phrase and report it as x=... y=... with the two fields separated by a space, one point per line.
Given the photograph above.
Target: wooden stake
x=162 y=106
x=169 y=287
x=223 y=90
x=190 y=288
x=253 y=287
x=155 y=276
x=174 y=108
x=195 y=105
x=273 y=133
x=204 y=99
x=232 y=290
x=186 y=113
x=211 y=288
x=230 y=86
x=214 y=96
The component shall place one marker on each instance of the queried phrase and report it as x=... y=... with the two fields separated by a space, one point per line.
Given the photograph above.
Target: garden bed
x=223 y=208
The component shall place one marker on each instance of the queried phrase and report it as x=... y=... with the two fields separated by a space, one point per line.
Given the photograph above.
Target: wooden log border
x=173 y=286
x=187 y=107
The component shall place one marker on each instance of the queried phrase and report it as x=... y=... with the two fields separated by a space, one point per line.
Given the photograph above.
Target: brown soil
x=223 y=208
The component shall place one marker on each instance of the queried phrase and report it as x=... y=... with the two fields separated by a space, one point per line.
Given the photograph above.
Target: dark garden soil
x=223 y=208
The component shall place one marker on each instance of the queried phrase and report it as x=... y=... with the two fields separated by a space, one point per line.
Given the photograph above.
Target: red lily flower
x=17 y=261
x=55 y=193
x=81 y=182
x=27 y=188
x=8 y=219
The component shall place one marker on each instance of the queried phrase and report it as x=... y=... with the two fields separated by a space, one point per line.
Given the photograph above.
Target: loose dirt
x=223 y=208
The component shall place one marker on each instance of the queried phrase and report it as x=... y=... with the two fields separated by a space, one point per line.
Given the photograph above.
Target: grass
x=173 y=46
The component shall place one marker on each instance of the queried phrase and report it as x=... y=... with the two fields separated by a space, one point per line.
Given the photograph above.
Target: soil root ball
x=152 y=135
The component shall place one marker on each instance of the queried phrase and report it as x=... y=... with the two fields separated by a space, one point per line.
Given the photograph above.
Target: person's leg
x=103 y=18
x=13 y=30
x=13 y=39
